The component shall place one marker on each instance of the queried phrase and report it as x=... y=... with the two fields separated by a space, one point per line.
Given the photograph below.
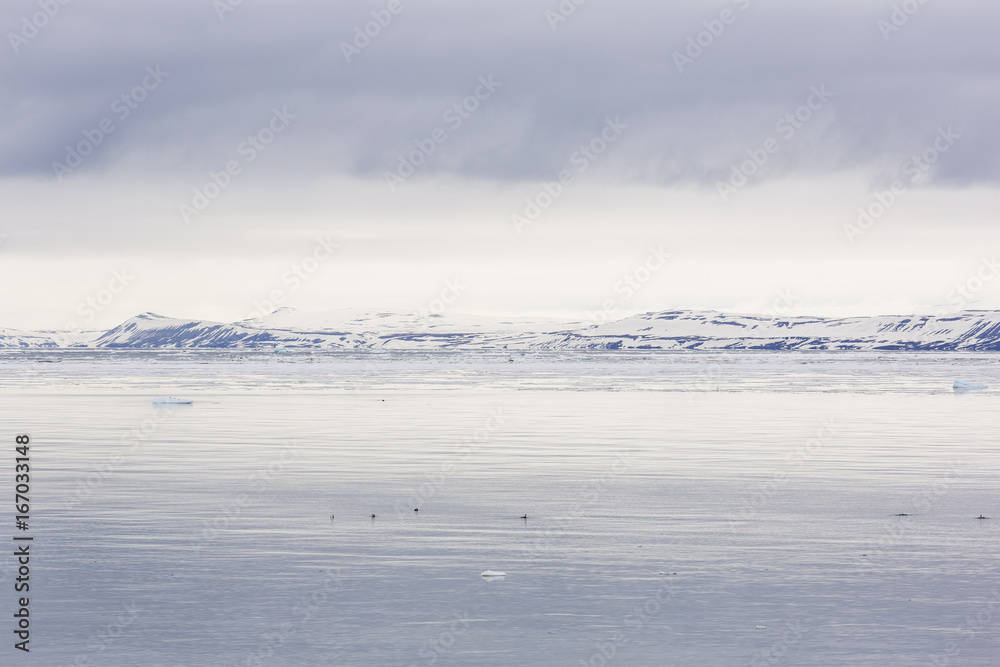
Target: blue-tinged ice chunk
x=963 y=385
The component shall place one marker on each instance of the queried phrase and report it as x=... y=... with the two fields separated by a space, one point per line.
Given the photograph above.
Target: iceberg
x=962 y=385
x=491 y=573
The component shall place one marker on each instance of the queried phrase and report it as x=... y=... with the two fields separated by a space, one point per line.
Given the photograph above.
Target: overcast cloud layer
x=835 y=96
x=889 y=92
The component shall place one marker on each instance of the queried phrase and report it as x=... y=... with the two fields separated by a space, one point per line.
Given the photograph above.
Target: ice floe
x=964 y=385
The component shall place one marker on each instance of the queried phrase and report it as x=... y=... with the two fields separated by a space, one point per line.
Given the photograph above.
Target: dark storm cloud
x=559 y=82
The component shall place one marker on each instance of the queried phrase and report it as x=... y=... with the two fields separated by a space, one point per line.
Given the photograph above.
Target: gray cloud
x=607 y=59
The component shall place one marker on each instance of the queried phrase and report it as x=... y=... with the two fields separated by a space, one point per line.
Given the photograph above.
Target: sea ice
x=963 y=385
x=491 y=573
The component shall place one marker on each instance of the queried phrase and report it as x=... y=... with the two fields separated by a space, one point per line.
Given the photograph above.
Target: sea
x=631 y=508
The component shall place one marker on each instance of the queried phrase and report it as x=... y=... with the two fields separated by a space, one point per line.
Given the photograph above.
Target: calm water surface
x=716 y=509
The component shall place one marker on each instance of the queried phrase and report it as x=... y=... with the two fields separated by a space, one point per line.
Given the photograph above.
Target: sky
x=576 y=159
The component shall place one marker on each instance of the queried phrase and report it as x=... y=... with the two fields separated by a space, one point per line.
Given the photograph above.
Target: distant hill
x=668 y=330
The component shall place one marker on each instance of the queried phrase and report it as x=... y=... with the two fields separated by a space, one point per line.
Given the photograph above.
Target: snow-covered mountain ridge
x=667 y=330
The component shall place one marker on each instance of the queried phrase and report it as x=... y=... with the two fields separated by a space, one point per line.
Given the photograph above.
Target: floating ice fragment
x=963 y=385
x=761 y=627
x=170 y=400
x=491 y=573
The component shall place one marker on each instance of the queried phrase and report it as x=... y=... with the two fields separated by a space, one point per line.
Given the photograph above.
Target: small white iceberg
x=963 y=385
x=761 y=627
x=170 y=400
x=491 y=573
